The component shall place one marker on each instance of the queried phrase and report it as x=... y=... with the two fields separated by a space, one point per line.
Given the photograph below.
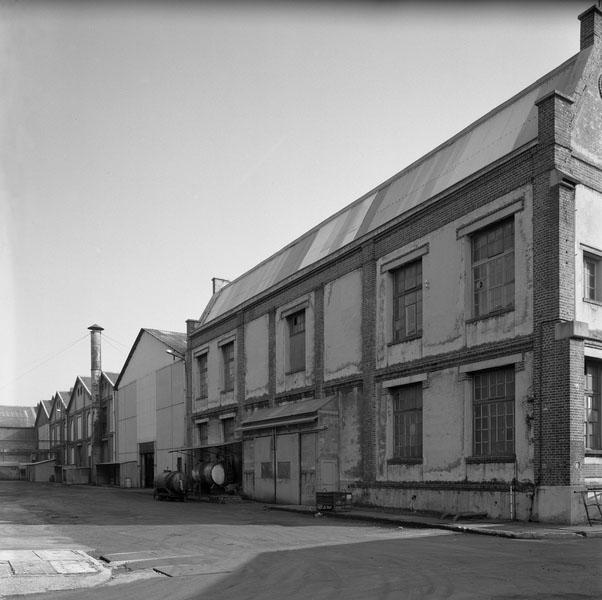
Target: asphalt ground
x=191 y=550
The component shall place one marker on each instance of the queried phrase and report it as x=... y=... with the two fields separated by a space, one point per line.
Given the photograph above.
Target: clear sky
x=148 y=147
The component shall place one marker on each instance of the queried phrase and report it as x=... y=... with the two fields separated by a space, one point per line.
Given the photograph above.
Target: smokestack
x=95 y=369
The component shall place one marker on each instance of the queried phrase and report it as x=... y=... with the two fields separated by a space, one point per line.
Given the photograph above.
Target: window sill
x=496 y=313
x=410 y=338
x=475 y=460
x=594 y=302
x=294 y=372
x=224 y=392
x=593 y=452
x=404 y=461
x=200 y=398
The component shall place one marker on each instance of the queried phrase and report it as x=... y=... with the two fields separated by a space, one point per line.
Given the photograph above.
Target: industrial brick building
x=437 y=344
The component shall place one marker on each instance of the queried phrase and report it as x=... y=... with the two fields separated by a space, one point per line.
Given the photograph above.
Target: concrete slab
x=64 y=567
x=34 y=571
x=39 y=567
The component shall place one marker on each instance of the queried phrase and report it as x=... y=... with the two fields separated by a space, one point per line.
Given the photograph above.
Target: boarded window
x=267 y=471
x=228 y=366
x=284 y=470
x=593 y=405
x=407 y=421
x=407 y=301
x=493 y=268
x=296 y=333
x=493 y=411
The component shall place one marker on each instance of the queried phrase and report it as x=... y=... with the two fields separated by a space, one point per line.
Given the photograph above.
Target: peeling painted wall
x=447 y=289
x=447 y=423
x=257 y=357
x=342 y=326
x=588 y=231
x=349 y=400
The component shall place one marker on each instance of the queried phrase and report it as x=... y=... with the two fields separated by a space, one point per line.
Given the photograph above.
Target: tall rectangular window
x=228 y=429
x=201 y=363
x=593 y=385
x=591 y=278
x=407 y=301
x=493 y=412
x=296 y=336
x=228 y=366
x=203 y=430
x=407 y=421
x=493 y=268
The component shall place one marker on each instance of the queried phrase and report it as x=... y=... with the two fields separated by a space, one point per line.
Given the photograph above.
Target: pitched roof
x=17 y=416
x=112 y=377
x=507 y=129
x=174 y=340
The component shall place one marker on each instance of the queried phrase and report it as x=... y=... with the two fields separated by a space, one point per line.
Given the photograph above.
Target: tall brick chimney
x=95 y=370
x=591 y=26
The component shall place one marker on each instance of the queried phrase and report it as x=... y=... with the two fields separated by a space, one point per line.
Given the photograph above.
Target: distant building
x=437 y=344
x=42 y=426
x=17 y=439
x=57 y=424
x=150 y=408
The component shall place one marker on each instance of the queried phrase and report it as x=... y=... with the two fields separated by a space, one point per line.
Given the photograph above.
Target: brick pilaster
x=558 y=363
x=319 y=341
x=272 y=356
x=368 y=405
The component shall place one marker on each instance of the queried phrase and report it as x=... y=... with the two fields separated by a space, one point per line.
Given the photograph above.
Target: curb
x=417 y=523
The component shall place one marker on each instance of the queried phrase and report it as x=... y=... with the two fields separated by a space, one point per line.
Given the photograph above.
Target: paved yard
x=239 y=550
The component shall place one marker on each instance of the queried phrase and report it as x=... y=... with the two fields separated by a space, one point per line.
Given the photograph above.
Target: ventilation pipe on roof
x=218 y=284
x=591 y=26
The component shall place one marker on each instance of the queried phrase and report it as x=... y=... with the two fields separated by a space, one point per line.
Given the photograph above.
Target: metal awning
x=294 y=413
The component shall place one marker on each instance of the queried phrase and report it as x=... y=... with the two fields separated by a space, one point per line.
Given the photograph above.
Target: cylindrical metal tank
x=171 y=483
x=210 y=473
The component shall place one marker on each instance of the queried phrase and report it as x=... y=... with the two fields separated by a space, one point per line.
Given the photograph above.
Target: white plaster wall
x=447 y=290
x=149 y=356
x=447 y=421
x=342 y=326
x=146 y=407
x=127 y=428
x=288 y=381
x=257 y=357
x=588 y=231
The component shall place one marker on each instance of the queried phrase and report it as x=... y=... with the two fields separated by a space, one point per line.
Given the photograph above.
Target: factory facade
x=437 y=344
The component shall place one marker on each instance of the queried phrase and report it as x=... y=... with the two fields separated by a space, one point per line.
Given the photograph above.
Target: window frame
x=407 y=411
x=493 y=427
x=296 y=342
x=592 y=293
x=228 y=367
x=228 y=429
x=478 y=264
x=202 y=381
x=592 y=397
x=401 y=334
